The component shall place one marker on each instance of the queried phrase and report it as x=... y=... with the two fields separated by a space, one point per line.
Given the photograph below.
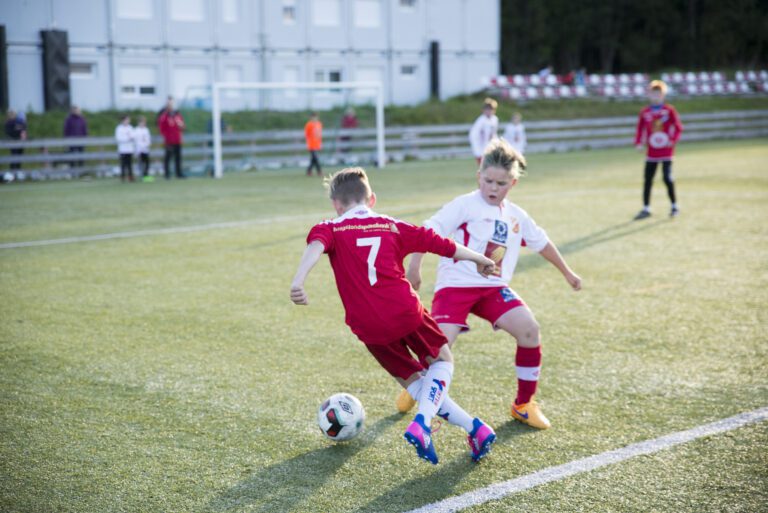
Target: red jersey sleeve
x=323 y=233
x=417 y=239
x=675 y=120
x=640 y=128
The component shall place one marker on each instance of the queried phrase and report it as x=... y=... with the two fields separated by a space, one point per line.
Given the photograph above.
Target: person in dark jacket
x=76 y=126
x=15 y=129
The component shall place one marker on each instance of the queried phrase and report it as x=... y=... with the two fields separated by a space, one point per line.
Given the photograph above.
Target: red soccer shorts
x=396 y=357
x=452 y=305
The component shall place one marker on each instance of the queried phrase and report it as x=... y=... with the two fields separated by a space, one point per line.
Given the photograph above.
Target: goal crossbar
x=218 y=87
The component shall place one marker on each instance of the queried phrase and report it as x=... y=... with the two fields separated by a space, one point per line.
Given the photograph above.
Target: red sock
x=528 y=367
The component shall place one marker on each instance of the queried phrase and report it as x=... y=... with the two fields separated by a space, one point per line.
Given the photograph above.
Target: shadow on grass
x=440 y=484
x=283 y=486
x=608 y=234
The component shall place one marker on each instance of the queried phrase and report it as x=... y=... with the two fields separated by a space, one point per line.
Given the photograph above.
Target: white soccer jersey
x=143 y=139
x=483 y=130
x=495 y=231
x=515 y=136
x=124 y=138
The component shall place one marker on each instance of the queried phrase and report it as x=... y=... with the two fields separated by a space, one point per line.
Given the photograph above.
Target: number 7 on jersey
x=375 y=244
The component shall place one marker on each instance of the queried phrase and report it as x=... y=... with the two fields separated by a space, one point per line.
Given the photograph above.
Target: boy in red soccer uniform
x=366 y=252
x=486 y=222
x=659 y=128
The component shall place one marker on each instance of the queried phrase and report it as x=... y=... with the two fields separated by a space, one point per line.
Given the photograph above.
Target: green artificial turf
x=170 y=372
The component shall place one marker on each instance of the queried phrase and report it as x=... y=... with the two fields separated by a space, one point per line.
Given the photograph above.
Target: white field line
x=223 y=225
x=278 y=219
x=500 y=490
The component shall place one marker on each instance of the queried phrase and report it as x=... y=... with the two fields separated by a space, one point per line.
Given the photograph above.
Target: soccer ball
x=341 y=417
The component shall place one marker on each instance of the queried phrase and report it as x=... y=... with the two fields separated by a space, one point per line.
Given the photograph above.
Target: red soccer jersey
x=659 y=127
x=366 y=251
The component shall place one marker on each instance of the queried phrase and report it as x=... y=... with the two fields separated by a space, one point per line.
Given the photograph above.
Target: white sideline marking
x=157 y=231
x=547 y=475
x=232 y=224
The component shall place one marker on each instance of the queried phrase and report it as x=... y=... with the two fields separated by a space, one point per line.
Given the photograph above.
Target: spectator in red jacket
x=658 y=129
x=170 y=123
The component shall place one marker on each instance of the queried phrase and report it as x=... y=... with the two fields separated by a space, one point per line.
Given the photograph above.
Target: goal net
x=298 y=96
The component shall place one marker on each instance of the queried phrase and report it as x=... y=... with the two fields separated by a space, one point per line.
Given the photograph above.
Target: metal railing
x=48 y=158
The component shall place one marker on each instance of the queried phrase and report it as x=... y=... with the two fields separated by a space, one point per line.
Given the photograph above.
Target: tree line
x=614 y=36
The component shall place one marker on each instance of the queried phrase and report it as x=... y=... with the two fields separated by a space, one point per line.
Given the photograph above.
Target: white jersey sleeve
x=448 y=219
x=534 y=236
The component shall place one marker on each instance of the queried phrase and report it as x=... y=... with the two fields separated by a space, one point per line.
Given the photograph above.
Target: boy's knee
x=528 y=335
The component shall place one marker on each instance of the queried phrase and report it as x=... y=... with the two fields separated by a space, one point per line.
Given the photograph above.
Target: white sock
x=415 y=388
x=455 y=414
x=646 y=208
x=434 y=388
x=449 y=410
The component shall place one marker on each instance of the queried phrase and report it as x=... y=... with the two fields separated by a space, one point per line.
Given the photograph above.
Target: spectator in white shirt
x=484 y=129
x=514 y=133
x=125 y=147
x=143 y=142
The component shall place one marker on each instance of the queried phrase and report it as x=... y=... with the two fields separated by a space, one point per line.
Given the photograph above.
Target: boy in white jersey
x=484 y=129
x=485 y=221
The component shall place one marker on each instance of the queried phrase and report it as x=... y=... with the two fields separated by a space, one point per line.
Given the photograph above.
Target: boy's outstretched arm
x=553 y=256
x=485 y=265
x=310 y=257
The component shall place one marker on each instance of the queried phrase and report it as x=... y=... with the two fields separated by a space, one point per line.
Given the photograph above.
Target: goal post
x=219 y=87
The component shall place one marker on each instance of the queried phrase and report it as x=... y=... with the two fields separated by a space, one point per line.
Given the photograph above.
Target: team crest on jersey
x=500 y=232
x=507 y=295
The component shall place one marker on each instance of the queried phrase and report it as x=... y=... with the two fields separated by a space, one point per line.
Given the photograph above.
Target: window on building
x=408 y=70
x=82 y=70
x=367 y=13
x=326 y=13
x=289 y=12
x=187 y=10
x=135 y=9
x=191 y=82
x=328 y=75
x=138 y=81
x=408 y=4
x=230 y=11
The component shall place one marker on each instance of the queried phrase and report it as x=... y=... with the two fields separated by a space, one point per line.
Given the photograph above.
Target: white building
x=133 y=53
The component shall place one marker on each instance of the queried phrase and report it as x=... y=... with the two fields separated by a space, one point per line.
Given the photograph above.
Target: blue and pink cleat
x=480 y=439
x=420 y=436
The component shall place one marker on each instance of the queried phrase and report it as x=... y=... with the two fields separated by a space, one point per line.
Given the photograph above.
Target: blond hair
x=490 y=103
x=658 y=85
x=349 y=186
x=499 y=153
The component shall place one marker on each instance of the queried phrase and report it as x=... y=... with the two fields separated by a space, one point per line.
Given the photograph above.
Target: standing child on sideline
x=659 y=128
x=143 y=143
x=484 y=129
x=486 y=222
x=125 y=148
x=366 y=252
x=313 y=133
x=514 y=133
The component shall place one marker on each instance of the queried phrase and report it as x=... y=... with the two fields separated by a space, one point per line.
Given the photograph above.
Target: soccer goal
x=220 y=88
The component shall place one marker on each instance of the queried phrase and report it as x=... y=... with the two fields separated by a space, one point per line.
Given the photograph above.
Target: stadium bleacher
x=627 y=86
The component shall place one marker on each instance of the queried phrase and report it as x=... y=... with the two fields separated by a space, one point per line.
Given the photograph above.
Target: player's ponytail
x=499 y=153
